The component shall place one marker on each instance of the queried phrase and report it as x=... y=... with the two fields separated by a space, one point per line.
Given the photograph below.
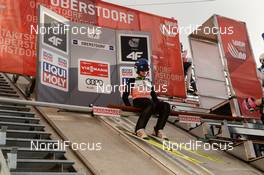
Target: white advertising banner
x=54 y=71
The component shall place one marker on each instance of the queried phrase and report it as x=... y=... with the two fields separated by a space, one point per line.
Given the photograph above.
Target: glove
x=249 y=104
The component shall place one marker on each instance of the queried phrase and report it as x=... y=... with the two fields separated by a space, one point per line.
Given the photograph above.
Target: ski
x=156 y=144
x=167 y=143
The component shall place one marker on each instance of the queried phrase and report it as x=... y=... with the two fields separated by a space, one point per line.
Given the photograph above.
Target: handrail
x=132 y=109
x=176 y=113
x=45 y=104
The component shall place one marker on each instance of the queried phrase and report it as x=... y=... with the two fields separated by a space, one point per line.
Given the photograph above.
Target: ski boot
x=160 y=134
x=142 y=134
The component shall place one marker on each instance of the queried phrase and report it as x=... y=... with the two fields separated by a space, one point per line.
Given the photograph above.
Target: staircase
x=23 y=132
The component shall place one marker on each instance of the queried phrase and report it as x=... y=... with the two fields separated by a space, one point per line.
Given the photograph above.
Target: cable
x=171 y=3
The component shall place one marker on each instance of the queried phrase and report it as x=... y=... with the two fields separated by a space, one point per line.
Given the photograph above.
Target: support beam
x=244 y=151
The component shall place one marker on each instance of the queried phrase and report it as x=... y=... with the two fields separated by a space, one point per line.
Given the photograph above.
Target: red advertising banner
x=240 y=62
x=166 y=54
x=81 y=11
x=18 y=30
x=17 y=45
x=117 y=17
x=19 y=25
x=94 y=69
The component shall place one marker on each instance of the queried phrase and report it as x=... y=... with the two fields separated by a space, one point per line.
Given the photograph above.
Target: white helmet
x=261 y=57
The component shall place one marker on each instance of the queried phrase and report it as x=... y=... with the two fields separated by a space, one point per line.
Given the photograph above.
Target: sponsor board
x=189 y=119
x=93 y=75
x=54 y=70
x=125 y=74
x=23 y=52
x=102 y=111
x=240 y=63
x=54 y=31
x=93 y=45
x=133 y=47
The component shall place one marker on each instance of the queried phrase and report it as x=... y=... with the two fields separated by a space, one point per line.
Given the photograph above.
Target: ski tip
x=146 y=138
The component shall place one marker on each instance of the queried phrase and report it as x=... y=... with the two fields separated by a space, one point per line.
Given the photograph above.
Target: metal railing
x=45 y=104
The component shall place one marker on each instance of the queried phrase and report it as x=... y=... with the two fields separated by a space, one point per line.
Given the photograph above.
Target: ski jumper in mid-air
x=144 y=97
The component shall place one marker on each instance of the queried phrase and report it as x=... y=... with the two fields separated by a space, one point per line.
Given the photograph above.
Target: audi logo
x=94 y=82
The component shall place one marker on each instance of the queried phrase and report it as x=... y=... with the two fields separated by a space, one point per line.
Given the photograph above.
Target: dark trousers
x=149 y=108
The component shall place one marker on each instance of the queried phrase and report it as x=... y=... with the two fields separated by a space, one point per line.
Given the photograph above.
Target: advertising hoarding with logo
x=53 y=82
x=133 y=47
x=92 y=75
x=165 y=51
x=54 y=71
x=126 y=73
x=240 y=62
x=82 y=74
x=19 y=20
x=225 y=68
x=93 y=67
x=55 y=35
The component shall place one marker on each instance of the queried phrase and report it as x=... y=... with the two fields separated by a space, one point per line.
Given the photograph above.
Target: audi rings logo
x=94 y=82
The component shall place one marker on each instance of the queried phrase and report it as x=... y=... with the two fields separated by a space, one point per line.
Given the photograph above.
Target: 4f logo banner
x=133 y=48
x=55 y=33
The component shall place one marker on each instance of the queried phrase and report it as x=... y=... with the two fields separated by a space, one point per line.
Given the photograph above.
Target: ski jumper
x=145 y=97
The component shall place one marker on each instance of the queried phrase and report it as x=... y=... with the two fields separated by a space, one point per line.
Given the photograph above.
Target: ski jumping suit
x=144 y=97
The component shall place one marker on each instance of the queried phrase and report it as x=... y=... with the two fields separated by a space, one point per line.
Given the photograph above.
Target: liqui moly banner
x=240 y=62
x=54 y=71
x=19 y=28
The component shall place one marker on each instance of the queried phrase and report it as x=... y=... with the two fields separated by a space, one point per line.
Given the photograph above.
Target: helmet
x=142 y=65
x=261 y=57
x=249 y=104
